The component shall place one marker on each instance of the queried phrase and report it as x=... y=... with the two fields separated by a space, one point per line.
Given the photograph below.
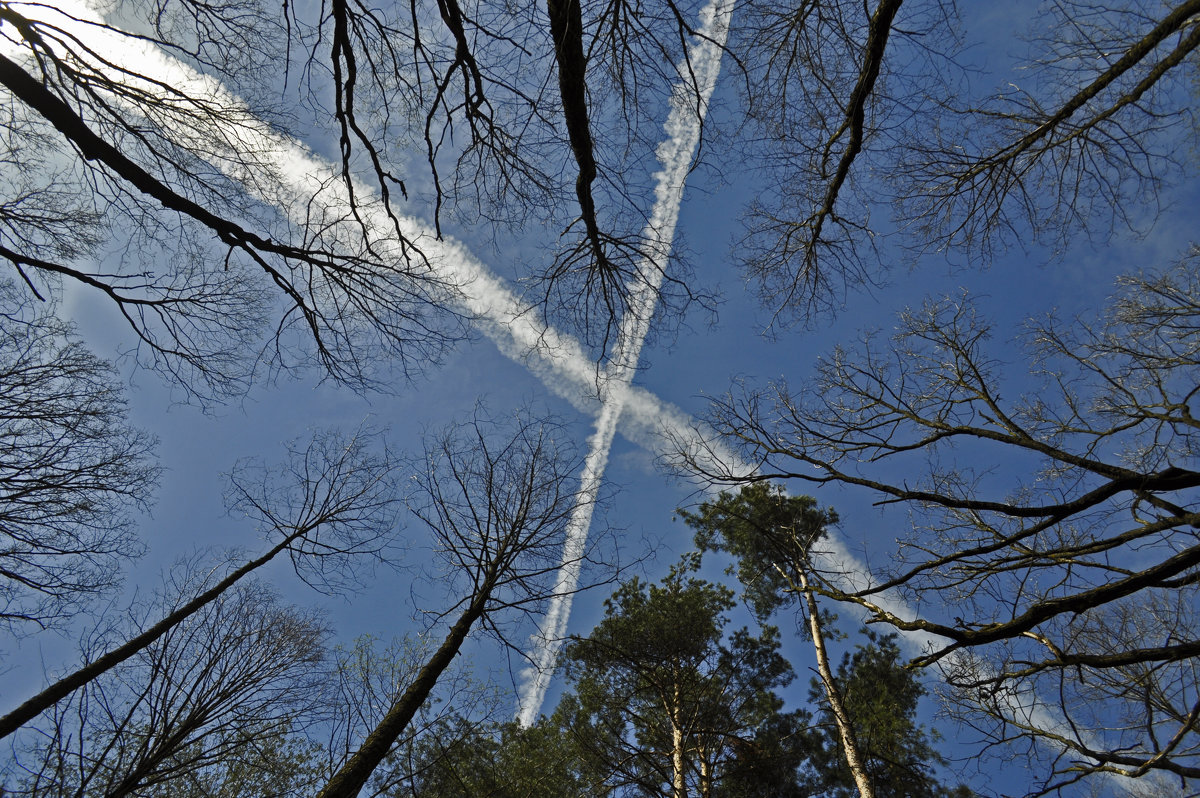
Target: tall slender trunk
x=349 y=781
x=73 y=681
x=678 y=787
x=706 y=773
x=854 y=758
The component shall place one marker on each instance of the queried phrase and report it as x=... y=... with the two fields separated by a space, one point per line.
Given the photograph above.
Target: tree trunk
x=706 y=774
x=566 y=29
x=854 y=758
x=72 y=682
x=678 y=787
x=349 y=781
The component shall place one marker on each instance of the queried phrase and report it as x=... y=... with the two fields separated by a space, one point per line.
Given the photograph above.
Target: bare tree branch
x=1053 y=574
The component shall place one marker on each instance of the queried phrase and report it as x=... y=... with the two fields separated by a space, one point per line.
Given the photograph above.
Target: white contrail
x=309 y=185
x=310 y=191
x=312 y=185
x=698 y=77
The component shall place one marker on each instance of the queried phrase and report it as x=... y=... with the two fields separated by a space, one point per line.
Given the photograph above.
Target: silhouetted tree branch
x=171 y=157
x=72 y=470
x=238 y=675
x=332 y=504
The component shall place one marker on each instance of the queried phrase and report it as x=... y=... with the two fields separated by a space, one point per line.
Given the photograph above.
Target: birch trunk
x=706 y=775
x=678 y=788
x=854 y=758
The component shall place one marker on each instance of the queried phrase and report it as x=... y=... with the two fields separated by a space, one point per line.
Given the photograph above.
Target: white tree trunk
x=706 y=774
x=678 y=787
x=854 y=758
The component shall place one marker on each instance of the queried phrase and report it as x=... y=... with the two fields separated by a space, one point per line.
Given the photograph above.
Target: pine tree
x=666 y=702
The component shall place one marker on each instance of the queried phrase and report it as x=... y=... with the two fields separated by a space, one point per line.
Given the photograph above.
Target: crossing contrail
x=245 y=149
x=675 y=156
x=309 y=184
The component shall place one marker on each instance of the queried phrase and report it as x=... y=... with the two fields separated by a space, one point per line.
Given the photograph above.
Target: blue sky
x=681 y=366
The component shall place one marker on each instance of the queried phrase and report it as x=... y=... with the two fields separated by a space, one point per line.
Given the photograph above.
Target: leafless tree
x=813 y=102
x=1081 y=140
x=333 y=273
x=234 y=678
x=856 y=107
x=504 y=100
x=369 y=678
x=184 y=172
x=332 y=505
x=72 y=471
x=497 y=500
x=1053 y=560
